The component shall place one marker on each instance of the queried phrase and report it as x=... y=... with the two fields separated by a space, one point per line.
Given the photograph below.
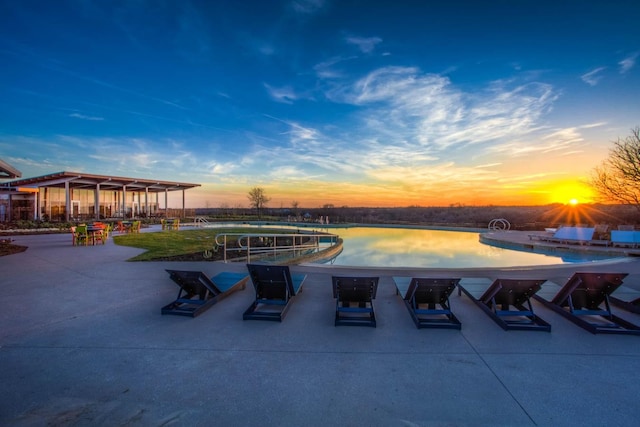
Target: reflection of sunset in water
x=392 y=247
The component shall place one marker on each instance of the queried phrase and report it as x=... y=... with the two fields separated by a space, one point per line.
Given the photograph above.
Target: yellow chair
x=81 y=235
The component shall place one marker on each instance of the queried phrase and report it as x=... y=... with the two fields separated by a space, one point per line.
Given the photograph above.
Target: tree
x=258 y=199
x=617 y=179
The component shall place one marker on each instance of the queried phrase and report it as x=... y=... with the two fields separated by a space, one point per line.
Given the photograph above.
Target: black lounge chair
x=354 y=300
x=275 y=286
x=581 y=298
x=423 y=296
x=498 y=297
x=198 y=292
x=626 y=298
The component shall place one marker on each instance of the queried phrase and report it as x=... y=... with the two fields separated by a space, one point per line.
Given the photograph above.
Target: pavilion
x=66 y=196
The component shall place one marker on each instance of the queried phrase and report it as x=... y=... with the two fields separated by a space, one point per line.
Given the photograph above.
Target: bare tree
x=617 y=179
x=258 y=199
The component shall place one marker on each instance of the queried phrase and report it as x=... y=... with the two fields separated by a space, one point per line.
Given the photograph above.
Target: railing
x=499 y=224
x=267 y=246
x=200 y=221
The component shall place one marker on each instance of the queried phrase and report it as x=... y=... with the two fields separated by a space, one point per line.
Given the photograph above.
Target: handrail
x=200 y=221
x=273 y=243
x=499 y=224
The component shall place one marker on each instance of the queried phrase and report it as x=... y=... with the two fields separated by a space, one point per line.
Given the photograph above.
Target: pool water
x=400 y=247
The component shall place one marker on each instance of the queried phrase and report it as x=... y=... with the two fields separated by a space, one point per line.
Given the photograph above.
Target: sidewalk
x=82 y=342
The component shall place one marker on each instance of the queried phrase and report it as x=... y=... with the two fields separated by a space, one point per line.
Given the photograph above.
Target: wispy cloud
x=284 y=94
x=307 y=6
x=327 y=69
x=628 y=63
x=365 y=44
x=85 y=117
x=593 y=77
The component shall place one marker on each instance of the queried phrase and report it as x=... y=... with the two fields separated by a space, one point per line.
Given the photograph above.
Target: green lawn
x=172 y=243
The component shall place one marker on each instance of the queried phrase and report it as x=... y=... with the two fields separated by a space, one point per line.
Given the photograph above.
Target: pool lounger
x=198 y=292
x=275 y=287
x=354 y=300
x=504 y=301
x=427 y=300
x=581 y=299
x=626 y=298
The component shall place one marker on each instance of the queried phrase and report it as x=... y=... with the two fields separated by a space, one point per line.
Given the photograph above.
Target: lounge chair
x=275 y=286
x=354 y=300
x=625 y=238
x=423 y=296
x=199 y=292
x=581 y=298
x=497 y=298
x=626 y=298
x=579 y=235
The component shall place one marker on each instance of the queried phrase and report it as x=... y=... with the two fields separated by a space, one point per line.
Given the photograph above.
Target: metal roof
x=8 y=171
x=79 y=180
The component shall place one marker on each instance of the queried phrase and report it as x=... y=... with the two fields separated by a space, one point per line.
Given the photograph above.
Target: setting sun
x=570 y=192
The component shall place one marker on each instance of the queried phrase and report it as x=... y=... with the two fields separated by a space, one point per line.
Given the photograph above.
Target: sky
x=323 y=102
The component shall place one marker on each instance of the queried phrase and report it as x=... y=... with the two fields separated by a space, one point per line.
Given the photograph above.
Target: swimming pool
x=425 y=248
x=401 y=247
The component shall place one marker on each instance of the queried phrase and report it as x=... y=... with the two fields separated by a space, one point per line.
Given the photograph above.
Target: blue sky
x=356 y=103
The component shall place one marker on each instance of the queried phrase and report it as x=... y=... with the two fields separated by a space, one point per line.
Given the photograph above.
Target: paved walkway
x=82 y=342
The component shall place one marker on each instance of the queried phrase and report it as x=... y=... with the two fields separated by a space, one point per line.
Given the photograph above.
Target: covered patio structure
x=67 y=196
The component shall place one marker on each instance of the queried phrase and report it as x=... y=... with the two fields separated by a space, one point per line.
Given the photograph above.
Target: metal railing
x=200 y=221
x=272 y=246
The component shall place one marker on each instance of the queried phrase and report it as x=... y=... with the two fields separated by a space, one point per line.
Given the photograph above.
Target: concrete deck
x=82 y=342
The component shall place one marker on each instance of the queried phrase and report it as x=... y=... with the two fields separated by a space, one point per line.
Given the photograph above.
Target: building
x=74 y=196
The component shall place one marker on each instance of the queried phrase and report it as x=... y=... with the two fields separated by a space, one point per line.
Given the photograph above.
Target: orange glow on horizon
x=317 y=194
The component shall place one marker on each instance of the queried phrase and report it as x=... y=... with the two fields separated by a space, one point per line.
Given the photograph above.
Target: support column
x=146 y=201
x=36 y=207
x=96 y=202
x=124 y=202
x=184 y=212
x=67 y=198
x=166 y=200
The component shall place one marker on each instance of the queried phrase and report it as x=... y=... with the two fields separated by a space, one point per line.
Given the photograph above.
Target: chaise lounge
x=626 y=298
x=625 y=238
x=581 y=300
x=198 y=292
x=504 y=301
x=275 y=286
x=427 y=300
x=354 y=300
x=568 y=235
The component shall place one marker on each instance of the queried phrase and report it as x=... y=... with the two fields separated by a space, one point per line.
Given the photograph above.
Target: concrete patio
x=82 y=342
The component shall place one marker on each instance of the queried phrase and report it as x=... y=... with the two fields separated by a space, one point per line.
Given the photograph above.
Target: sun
x=573 y=202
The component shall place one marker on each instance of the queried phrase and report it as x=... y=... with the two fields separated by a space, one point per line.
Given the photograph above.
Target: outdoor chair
x=506 y=301
x=626 y=298
x=427 y=300
x=354 y=300
x=81 y=235
x=198 y=292
x=73 y=235
x=626 y=238
x=275 y=286
x=584 y=300
x=568 y=235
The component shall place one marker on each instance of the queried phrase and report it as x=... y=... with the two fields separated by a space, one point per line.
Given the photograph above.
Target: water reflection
x=392 y=247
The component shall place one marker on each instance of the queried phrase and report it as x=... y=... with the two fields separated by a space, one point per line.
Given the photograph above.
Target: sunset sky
x=350 y=103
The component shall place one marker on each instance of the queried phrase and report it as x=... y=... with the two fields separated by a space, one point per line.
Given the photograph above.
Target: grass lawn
x=172 y=243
